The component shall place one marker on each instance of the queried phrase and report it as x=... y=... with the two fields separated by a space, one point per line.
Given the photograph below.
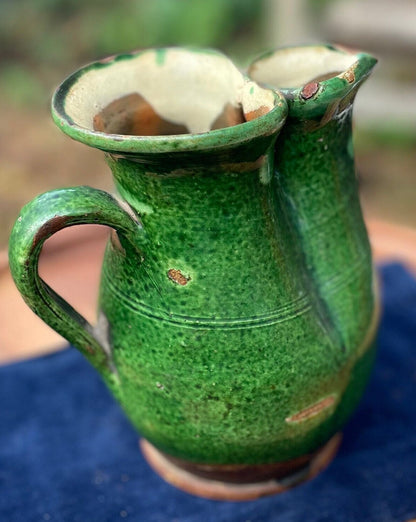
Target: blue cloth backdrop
x=68 y=454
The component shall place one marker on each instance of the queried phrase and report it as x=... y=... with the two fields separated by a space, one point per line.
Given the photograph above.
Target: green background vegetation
x=42 y=41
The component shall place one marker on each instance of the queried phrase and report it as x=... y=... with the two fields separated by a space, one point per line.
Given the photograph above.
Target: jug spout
x=317 y=80
x=316 y=172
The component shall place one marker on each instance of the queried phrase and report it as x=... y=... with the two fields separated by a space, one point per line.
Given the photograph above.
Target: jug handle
x=38 y=221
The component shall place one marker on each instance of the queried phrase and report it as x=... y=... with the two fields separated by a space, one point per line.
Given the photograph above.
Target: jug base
x=237 y=482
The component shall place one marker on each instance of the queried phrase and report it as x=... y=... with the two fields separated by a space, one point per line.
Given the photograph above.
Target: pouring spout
x=313 y=77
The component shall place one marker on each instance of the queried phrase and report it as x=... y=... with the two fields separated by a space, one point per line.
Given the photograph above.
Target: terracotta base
x=195 y=483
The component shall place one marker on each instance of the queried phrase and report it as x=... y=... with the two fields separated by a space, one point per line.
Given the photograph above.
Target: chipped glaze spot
x=312 y=410
x=177 y=277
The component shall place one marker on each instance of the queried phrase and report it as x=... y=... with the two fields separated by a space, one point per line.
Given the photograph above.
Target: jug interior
x=133 y=114
x=164 y=92
x=294 y=67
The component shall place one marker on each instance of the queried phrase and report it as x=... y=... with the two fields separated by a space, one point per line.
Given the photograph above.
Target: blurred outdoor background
x=42 y=41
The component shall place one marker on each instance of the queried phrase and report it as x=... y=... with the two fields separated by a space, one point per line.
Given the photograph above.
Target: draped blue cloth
x=67 y=453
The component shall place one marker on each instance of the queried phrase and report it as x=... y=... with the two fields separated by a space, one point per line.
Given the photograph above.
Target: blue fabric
x=67 y=453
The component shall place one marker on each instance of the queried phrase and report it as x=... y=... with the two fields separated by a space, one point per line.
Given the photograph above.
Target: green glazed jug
x=212 y=331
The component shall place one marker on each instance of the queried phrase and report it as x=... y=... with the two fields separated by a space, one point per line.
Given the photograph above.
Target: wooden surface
x=71 y=263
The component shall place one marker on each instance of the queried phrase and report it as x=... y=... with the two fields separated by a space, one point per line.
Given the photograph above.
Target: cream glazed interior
x=294 y=67
x=163 y=92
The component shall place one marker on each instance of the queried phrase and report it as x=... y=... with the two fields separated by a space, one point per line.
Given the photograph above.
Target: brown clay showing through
x=247 y=473
x=254 y=481
x=133 y=115
x=243 y=474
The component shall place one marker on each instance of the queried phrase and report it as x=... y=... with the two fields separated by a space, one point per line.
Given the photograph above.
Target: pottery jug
x=214 y=331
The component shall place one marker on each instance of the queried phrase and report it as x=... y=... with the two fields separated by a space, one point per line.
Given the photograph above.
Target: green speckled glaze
x=228 y=330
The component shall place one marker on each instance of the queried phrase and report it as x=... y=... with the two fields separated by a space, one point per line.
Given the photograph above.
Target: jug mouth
x=167 y=99
x=312 y=76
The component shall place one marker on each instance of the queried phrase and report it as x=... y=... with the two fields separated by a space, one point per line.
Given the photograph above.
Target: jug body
x=212 y=331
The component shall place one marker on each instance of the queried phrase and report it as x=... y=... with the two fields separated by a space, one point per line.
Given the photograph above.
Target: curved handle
x=39 y=220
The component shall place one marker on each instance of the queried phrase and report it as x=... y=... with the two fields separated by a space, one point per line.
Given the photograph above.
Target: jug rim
x=262 y=124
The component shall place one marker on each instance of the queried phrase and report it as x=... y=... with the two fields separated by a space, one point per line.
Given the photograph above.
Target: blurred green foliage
x=41 y=40
x=391 y=135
